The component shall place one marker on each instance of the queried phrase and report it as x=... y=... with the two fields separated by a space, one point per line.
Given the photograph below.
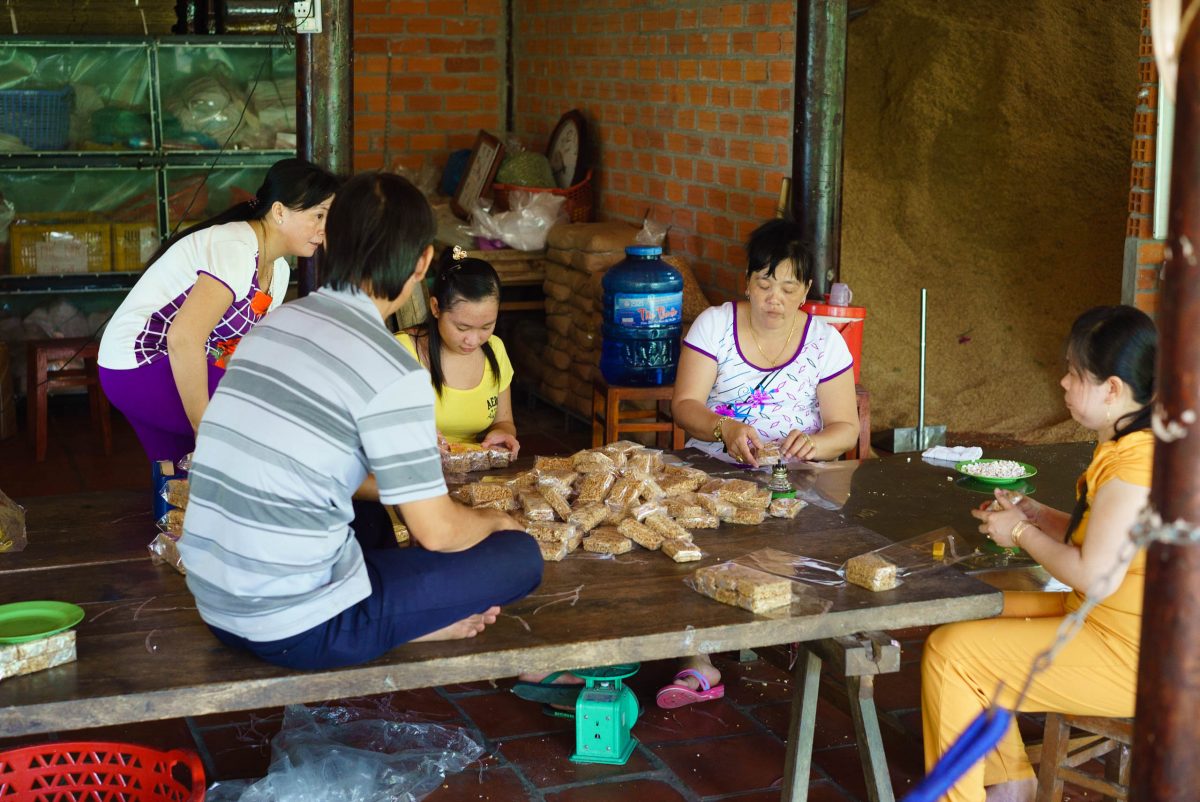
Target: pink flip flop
x=672 y=696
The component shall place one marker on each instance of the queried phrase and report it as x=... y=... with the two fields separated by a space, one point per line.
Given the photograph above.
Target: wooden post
x=324 y=97
x=820 y=98
x=1167 y=726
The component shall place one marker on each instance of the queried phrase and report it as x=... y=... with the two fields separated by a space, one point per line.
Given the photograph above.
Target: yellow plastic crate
x=44 y=248
x=132 y=245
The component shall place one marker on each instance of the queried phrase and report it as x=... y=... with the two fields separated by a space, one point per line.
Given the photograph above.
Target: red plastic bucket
x=846 y=319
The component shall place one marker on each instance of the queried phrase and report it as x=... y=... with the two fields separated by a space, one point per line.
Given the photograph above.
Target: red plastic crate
x=93 y=771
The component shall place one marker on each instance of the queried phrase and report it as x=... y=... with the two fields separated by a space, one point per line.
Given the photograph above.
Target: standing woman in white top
x=165 y=348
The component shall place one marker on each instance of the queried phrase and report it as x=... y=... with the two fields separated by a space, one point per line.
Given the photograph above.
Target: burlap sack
x=592 y=237
x=560 y=273
x=556 y=378
x=582 y=371
x=595 y=262
x=694 y=299
x=559 y=324
x=557 y=358
x=559 y=256
x=559 y=292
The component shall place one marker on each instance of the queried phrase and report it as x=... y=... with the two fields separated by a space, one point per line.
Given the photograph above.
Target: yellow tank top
x=464 y=415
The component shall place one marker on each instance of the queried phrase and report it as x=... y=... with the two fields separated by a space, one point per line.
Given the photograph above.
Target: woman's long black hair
x=296 y=183
x=456 y=280
x=1116 y=341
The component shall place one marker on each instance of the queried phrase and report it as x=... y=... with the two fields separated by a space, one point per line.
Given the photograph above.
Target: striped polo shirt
x=317 y=395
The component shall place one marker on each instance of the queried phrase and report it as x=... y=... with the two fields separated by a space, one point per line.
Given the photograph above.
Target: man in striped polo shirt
x=321 y=401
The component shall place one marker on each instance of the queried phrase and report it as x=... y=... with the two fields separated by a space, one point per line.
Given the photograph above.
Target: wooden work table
x=144 y=653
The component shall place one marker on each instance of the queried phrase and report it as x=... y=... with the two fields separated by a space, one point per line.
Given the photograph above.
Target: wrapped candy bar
x=554 y=550
x=593 y=462
x=650 y=489
x=588 y=517
x=556 y=499
x=625 y=492
x=500 y=457
x=594 y=487
x=607 y=543
x=786 y=507
x=12 y=525
x=716 y=505
x=758 y=500
x=479 y=493
x=746 y=517
x=699 y=520
x=644 y=510
x=711 y=486
x=562 y=481
x=681 y=551
x=505 y=504
x=163 y=549
x=667 y=527
x=679 y=485
x=536 y=507
x=686 y=504
x=643 y=462
x=735 y=489
x=399 y=529
x=740 y=586
x=541 y=464
x=769 y=454
x=640 y=534
x=625 y=447
x=872 y=572
x=551 y=530
x=175 y=491
x=171 y=523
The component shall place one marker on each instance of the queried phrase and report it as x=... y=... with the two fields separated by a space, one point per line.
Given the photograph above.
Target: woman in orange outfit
x=1109 y=386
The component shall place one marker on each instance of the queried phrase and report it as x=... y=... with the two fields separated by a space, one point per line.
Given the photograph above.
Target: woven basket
x=579 y=198
x=115 y=772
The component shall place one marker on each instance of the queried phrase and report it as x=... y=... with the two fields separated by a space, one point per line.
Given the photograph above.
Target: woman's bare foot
x=702 y=664
x=1013 y=791
x=468 y=627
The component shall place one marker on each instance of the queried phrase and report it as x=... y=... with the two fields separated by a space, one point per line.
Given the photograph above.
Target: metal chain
x=1149 y=527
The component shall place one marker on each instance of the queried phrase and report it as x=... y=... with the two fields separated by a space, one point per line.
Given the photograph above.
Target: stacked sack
x=609 y=499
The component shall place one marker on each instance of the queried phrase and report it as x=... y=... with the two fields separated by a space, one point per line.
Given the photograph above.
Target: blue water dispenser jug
x=643 y=319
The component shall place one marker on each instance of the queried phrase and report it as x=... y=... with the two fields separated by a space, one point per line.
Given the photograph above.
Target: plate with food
x=30 y=620
x=995 y=471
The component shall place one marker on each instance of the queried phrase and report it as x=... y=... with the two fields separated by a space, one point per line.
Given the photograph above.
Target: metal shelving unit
x=131 y=169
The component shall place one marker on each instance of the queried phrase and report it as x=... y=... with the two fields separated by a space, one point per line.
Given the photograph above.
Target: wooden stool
x=609 y=420
x=39 y=380
x=862 y=449
x=1060 y=755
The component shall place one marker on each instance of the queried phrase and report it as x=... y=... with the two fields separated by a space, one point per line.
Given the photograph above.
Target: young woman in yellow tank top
x=467 y=363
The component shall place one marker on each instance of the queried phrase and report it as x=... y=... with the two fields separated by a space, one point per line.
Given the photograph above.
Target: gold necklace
x=771 y=362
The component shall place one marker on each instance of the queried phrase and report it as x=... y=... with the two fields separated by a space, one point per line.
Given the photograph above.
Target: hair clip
x=253 y=202
x=457 y=254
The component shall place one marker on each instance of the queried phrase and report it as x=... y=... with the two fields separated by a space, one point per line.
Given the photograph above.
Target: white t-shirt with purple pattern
x=774 y=401
x=137 y=333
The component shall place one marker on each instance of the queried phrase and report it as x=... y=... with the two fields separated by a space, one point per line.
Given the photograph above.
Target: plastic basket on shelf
x=132 y=245
x=579 y=198
x=91 y=770
x=40 y=118
x=44 y=248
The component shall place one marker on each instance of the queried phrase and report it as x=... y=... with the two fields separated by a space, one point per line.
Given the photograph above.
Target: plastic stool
x=609 y=420
x=40 y=379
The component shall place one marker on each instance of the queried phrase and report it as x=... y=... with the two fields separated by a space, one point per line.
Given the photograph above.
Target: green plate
x=30 y=620
x=1029 y=471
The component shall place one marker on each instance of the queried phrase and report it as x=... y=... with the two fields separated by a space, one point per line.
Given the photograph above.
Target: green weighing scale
x=604 y=714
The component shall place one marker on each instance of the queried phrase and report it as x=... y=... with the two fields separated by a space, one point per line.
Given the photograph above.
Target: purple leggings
x=149 y=400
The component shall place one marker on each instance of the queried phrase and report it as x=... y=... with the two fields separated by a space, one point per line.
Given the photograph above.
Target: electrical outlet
x=308 y=16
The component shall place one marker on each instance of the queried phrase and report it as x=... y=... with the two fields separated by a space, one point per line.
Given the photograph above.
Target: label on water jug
x=638 y=310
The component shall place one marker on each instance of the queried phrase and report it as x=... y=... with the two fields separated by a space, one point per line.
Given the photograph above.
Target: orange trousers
x=963 y=664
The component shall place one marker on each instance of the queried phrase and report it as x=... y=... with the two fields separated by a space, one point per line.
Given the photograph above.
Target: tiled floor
x=732 y=749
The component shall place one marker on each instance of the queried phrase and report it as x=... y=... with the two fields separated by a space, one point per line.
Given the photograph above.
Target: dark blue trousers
x=413 y=592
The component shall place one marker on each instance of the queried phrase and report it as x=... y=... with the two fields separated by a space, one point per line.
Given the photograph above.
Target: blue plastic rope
x=982 y=736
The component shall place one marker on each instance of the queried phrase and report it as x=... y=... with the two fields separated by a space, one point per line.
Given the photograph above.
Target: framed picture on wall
x=481 y=169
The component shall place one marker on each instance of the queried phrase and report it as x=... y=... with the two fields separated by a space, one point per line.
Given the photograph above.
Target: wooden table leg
x=861 y=692
x=798 y=766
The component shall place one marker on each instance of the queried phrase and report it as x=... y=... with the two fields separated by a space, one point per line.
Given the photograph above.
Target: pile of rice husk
x=987 y=158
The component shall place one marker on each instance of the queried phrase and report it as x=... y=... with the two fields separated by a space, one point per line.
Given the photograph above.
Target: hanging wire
x=12 y=15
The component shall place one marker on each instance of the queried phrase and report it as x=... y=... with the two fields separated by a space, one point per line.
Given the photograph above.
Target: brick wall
x=1143 y=253
x=689 y=111
x=428 y=74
